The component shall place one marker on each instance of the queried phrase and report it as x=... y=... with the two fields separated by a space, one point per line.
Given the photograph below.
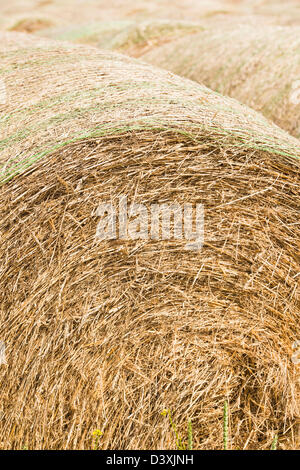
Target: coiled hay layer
x=258 y=65
x=106 y=334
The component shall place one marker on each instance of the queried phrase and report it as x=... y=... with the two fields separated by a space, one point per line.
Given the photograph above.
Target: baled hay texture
x=257 y=65
x=106 y=334
x=134 y=38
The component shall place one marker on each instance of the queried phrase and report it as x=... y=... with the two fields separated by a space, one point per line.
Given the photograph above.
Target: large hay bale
x=257 y=65
x=106 y=334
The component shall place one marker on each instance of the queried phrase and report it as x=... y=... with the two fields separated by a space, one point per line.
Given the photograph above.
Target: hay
x=101 y=33
x=65 y=15
x=135 y=38
x=257 y=65
x=132 y=37
x=86 y=11
x=283 y=13
x=30 y=25
x=107 y=334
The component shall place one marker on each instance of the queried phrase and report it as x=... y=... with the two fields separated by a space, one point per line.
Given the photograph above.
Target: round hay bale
x=106 y=333
x=134 y=38
x=257 y=65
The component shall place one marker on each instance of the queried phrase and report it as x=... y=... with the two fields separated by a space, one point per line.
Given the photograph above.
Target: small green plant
x=96 y=438
x=179 y=443
x=190 y=435
x=274 y=443
x=225 y=426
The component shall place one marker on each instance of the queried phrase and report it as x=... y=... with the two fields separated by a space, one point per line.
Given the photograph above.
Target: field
x=149 y=235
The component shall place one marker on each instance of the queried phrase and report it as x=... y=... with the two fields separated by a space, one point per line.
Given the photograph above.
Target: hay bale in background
x=66 y=14
x=107 y=334
x=259 y=66
x=30 y=25
x=133 y=38
x=101 y=33
x=283 y=13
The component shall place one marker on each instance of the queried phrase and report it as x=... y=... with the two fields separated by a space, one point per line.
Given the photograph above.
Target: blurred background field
x=33 y=15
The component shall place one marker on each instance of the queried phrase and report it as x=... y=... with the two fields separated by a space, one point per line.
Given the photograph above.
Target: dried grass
x=106 y=335
x=257 y=65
